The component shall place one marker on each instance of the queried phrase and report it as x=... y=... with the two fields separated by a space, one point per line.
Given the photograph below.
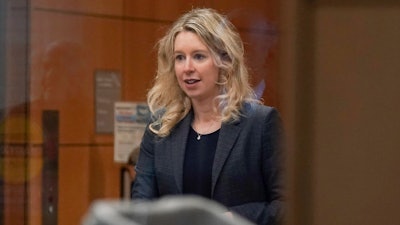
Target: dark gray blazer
x=246 y=174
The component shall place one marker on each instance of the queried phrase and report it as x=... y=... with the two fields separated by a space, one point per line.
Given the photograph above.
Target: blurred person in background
x=131 y=164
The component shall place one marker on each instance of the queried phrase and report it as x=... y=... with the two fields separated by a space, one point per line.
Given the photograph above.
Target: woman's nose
x=188 y=67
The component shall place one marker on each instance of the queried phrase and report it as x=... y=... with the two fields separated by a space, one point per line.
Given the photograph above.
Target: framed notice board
x=107 y=92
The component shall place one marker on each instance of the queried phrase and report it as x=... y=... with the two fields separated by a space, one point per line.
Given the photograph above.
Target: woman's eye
x=179 y=57
x=199 y=56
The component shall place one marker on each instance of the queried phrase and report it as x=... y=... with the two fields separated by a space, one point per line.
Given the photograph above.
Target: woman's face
x=195 y=69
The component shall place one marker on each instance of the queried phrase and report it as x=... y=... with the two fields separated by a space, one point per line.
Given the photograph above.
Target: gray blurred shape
x=172 y=210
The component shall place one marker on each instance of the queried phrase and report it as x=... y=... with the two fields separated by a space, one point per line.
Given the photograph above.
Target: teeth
x=191 y=81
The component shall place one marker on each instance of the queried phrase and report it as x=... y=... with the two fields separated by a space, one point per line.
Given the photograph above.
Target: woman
x=209 y=135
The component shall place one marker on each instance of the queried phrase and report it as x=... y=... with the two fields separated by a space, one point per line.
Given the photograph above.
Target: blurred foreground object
x=172 y=210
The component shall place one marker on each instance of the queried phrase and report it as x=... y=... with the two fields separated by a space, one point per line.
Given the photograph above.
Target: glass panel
x=54 y=163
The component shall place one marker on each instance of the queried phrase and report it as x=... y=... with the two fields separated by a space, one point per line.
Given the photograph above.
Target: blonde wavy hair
x=226 y=47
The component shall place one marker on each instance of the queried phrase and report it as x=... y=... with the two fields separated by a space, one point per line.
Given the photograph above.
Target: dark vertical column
x=2 y=57
x=305 y=110
x=2 y=101
x=50 y=167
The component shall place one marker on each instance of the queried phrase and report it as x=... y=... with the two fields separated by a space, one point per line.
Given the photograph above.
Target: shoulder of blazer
x=251 y=109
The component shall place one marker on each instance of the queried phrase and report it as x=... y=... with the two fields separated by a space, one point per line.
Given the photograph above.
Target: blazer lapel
x=227 y=137
x=178 y=145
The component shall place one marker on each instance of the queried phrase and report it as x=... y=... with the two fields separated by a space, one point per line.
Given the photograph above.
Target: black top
x=197 y=167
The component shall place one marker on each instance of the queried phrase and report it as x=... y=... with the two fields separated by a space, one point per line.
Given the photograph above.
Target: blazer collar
x=227 y=137
x=179 y=142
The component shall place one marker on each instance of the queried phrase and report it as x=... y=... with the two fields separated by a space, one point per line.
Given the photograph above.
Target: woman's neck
x=204 y=112
x=206 y=118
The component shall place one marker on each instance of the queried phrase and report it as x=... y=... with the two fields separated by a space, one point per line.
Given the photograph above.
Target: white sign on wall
x=130 y=120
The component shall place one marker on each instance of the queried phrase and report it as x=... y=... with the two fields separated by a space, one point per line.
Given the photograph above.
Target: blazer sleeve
x=145 y=185
x=271 y=211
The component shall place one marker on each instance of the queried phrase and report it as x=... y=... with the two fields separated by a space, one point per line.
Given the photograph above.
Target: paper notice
x=130 y=120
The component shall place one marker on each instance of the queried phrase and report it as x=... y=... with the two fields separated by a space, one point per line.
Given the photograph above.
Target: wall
x=356 y=114
x=340 y=76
